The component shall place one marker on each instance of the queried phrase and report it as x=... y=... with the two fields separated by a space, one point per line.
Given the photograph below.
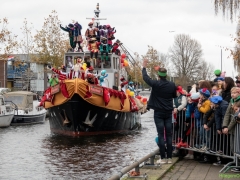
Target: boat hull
x=6 y=120
x=87 y=119
x=19 y=120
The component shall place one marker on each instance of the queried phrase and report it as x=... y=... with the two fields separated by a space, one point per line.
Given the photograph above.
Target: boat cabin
x=112 y=66
x=23 y=100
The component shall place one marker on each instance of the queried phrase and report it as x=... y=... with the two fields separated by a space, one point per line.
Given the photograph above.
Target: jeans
x=164 y=120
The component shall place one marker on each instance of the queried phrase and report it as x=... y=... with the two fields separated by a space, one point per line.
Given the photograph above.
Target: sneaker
x=162 y=161
x=189 y=156
x=211 y=151
x=203 y=149
x=219 y=163
x=236 y=170
x=169 y=160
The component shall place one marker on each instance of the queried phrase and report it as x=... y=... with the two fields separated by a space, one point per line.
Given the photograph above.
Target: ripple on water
x=32 y=152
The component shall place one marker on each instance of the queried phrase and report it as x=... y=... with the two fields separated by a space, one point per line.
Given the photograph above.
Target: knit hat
x=216 y=99
x=180 y=90
x=205 y=92
x=217 y=72
x=195 y=97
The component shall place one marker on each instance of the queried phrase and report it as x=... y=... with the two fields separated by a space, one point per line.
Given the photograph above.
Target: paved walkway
x=193 y=170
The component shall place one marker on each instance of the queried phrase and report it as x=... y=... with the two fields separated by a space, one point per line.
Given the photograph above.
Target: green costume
x=53 y=81
x=71 y=35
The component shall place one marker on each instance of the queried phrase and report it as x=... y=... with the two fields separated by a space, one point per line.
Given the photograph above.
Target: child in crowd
x=203 y=107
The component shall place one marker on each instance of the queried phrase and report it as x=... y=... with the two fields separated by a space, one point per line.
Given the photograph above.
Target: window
x=18 y=100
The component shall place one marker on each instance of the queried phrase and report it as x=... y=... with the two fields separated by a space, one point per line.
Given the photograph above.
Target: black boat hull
x=87 y=119
x=19 y=120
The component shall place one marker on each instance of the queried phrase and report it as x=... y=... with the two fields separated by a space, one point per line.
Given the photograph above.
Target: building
x=22 y=74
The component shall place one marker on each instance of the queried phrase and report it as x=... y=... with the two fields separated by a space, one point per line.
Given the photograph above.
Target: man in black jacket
x=161 y=101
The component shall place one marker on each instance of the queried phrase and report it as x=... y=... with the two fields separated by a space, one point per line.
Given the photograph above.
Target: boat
x=6 y=113
x=91 y=109
x=26 y=108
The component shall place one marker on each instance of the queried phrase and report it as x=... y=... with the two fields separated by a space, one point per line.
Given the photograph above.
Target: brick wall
x=2 y=74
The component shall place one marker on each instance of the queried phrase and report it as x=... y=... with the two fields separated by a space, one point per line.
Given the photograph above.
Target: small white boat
x=6 y=113
x=26 y=108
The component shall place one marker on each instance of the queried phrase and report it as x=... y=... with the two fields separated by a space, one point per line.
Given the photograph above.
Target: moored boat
x=26 y=108
x=6 y=113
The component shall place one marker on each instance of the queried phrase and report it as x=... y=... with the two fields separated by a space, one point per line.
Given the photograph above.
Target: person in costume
x=102 y=78
x=91 y=77
x=77 y=68
x=78 y=35
x=93 y=47
x=115 y=48
x=63 y=75
x=70 y=30
x=131 y=86
x=91 y=31
x=124 y=84
x=103 y=32
x=53 y=80
x=110 y=34
x=104 y=48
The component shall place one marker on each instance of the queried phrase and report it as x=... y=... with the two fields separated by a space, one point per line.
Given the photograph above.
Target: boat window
x=117 y=63
x=69 y=61
x=97 y=63
x=35 y=97
x=107 y=63
x=18 y=100
x=1 y=101
x=114 y=63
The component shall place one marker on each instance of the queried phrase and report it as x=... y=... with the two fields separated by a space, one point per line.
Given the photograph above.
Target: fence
x=191 y=135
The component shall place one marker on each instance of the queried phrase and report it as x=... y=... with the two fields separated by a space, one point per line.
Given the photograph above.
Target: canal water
x=33 y=152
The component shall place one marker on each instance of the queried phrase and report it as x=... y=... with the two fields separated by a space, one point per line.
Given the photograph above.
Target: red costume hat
x=90 y=68
x=179 y=89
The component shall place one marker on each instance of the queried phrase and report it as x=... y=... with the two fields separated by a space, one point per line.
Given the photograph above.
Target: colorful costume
x=93 y=47
x=110 y=34
x=123 y=84
x=115 y=48
x=70 y=30
x=91 y=31
x=78 y=35
x=77 y=68
x=102 y=78
x=90 y=76
x=104 y=48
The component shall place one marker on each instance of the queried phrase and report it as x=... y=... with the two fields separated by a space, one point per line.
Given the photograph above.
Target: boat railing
x=15 y=106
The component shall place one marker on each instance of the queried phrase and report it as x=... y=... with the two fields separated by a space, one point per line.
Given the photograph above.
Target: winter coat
x=226 y=95
x=162 y=94
x=219 y=114
x=205 y=107
x=180 y=103
x=208 y=118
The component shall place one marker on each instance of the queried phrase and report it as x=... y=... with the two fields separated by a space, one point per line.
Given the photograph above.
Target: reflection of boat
x=6 y=113
x=93 y=109
x=26 y=108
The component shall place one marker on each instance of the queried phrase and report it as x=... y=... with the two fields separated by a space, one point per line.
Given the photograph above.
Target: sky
x=139 y=23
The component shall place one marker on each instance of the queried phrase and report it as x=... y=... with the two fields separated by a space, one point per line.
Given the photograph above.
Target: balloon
x=131 y=93
x=84 y=66
x=122 y=60
x=144 y=100
x=139 y=97
x=128 y=91
x=125 y=63
x=123 y=56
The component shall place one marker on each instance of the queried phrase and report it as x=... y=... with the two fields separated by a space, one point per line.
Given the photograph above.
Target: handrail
x=134 y=165
x=16 y=107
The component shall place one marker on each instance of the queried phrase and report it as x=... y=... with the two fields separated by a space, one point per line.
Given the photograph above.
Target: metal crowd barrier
x=192 y=136
x=135 y=165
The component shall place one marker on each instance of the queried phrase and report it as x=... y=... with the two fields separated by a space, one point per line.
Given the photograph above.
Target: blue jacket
x=190 y=109
x=162 y=94
x=219 y=114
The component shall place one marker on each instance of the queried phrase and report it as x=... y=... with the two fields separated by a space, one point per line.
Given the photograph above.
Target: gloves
x=49 y=66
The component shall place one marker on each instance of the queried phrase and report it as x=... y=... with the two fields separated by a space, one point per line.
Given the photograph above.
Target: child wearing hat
x=203 y=107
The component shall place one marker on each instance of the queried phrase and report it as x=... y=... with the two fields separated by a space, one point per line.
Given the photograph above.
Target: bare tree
x=227 y=6
x=206 y=71
x=51 y=43
x=186 y=56
x=8 y=45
